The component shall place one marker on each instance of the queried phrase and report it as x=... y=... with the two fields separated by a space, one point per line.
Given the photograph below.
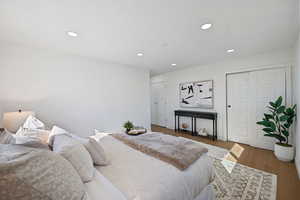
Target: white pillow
x=92 y=146
x=8 y=138
x=60 y=141
x=32 y=142
x=33 y=123
x=55 y=131
x=76 y=154
x=96 y=151
x=42 y=135
x=33 y=127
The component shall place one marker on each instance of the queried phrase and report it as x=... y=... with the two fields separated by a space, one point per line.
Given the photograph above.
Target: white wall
x=296 y=74
x=76 y=93
x=216 y=72
x=297 y=101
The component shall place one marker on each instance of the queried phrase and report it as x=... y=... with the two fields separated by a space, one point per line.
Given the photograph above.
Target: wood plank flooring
x=288 y=183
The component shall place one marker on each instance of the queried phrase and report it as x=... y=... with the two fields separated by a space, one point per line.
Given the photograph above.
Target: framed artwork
x=197 y=94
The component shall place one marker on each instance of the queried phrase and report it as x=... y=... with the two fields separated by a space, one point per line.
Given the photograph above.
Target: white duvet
x=141 y=177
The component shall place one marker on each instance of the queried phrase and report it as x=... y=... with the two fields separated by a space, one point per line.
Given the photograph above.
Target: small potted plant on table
x=128 y=126
x=277 y=124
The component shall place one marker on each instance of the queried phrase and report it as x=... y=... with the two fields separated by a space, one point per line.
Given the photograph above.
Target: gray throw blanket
x=177 y=151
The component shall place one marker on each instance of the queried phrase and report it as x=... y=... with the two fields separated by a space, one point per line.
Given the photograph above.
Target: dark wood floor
x=288 y=183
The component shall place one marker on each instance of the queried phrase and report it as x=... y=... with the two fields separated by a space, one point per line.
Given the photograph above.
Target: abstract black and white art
x=196 y=94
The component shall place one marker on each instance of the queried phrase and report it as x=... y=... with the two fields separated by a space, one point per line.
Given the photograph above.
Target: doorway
x=158 y=104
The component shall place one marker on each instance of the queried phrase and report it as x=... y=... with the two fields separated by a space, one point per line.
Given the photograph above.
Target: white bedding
x=102 y=189
x=141 y=177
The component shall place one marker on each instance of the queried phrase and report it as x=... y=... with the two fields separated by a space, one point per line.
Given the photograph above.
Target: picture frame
x=197 y=94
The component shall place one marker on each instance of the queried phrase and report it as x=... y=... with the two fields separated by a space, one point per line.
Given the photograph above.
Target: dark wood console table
x=194 y=115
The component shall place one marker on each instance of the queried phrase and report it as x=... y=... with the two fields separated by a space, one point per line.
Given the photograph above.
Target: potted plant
x=128 y=126
x=277 y=124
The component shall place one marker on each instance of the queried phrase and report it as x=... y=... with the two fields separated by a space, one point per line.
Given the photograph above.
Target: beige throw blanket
x=179 y=152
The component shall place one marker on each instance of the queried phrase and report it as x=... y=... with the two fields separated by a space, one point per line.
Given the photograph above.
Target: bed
x=133 y=175
x=142 y=177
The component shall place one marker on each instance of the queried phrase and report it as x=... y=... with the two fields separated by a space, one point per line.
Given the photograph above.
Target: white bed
x=141 y=177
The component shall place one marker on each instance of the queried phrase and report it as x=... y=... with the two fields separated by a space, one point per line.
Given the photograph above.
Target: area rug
x=243 y=183
x=234 y=181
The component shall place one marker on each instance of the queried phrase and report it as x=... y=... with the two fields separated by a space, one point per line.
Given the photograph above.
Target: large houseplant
x=277 y=124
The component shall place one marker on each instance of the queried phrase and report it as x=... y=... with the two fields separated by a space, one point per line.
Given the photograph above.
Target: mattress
x=141 y=177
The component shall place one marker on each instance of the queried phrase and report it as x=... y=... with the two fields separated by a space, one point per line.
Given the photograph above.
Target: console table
x=194 y=115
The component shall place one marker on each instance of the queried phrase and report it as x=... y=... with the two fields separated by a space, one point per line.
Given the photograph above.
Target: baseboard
x=297 y=163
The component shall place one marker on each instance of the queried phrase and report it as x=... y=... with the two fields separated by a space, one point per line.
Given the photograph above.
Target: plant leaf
x=278 y=102
x=268 y=116
x=271 y=108
x=278 y=137
x=289 y=111
x=287 y=125
x=266 y=123
x=284 y=118
x=268 y=130
x=280 y=109
x=272 y=126
x=273 y=104
x=286 y=133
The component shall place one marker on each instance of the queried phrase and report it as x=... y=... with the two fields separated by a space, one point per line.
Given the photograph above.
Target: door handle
x=229 y=106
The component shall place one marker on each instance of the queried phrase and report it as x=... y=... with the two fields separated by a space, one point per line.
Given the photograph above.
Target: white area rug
x=243 y=183
x=234 y=181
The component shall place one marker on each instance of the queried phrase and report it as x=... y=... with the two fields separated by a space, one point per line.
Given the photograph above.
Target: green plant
x=278 y=122
x=128 y=125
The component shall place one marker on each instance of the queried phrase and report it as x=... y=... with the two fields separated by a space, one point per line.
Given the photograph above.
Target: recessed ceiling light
x=140 y=54
x=72 y=34
x=230 y=50
x=174 y=64
x=206 y=26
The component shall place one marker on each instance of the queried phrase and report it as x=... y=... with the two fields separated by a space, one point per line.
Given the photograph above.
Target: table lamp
x=13 y=120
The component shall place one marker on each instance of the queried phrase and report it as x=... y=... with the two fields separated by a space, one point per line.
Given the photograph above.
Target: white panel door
x=248 y=94
x=238 y=101
x=158 y=109
x=268 y=85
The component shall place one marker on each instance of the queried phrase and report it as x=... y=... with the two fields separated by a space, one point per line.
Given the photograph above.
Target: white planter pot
x=284 y=153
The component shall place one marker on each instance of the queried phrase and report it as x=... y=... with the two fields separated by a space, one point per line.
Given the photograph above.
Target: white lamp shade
x=13 y=120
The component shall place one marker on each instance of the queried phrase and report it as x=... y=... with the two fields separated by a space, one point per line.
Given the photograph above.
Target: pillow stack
x=35 y=174
x=76 y=154
x=82 y=153
x=91 y=145
x=28 y=170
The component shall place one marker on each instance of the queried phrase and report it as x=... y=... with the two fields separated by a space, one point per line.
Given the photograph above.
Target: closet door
x=238 y=101
x=267 y=85
x=248 y=94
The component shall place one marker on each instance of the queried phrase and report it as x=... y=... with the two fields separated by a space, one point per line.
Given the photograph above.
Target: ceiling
x=165 y=31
